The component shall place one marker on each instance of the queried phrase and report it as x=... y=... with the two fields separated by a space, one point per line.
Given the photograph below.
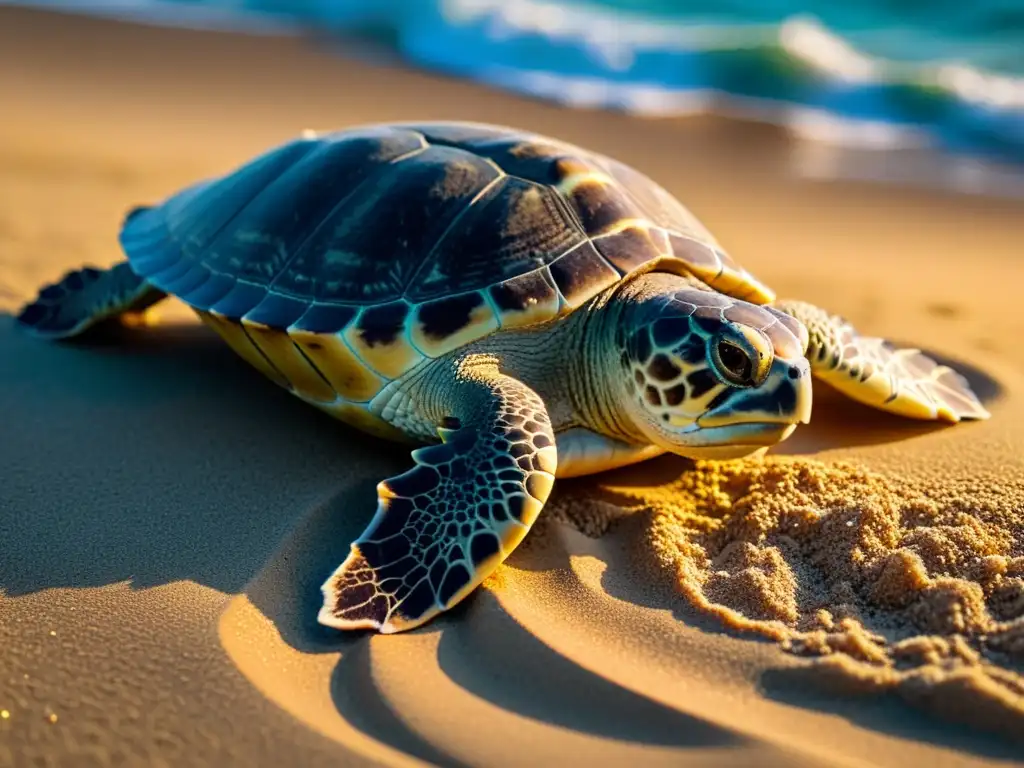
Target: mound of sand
x=917 y=587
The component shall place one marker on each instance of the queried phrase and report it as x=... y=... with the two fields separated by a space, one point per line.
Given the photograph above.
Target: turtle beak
x=785 y=397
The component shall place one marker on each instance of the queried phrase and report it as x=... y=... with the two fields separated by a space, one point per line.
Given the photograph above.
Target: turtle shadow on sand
x=477 y=638
x=803 y=685
x=156 y=455
x=223 y=479
x=626 y=575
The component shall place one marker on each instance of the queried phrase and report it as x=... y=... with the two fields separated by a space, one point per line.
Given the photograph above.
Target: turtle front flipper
x=444 y=525
x=875 y=372
x=84 y=297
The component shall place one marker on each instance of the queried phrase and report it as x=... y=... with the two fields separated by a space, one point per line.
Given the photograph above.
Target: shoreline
x=823 y=146
x=820 y=86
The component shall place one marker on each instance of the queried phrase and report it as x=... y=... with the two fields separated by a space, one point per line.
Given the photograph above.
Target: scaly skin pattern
x=446 y=524
x=660 y=339
x=876 y=373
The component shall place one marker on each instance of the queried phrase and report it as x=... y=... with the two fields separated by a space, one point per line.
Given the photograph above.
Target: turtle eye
x=735 y=364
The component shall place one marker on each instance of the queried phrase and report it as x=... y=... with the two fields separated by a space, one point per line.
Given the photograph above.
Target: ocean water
x=869 y=73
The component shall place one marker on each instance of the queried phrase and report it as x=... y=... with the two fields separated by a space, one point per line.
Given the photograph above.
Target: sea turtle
x=526 y=308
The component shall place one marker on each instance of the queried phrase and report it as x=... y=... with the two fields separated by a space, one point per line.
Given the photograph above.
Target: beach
x=167 y=515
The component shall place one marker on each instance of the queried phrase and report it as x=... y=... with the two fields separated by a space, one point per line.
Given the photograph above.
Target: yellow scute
x=287 y=358
x=238 y=340
x=349 y=376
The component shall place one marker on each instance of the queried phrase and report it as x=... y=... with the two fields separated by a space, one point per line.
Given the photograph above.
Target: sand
x=167 y=515
x=914 y=588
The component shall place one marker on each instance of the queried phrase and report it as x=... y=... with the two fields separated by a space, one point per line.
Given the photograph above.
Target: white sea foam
x=831 y=94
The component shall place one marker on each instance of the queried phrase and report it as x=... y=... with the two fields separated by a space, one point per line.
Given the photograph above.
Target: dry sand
x=166 y=515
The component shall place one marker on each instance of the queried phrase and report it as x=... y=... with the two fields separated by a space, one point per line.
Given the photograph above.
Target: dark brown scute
x=627 y=249
x=370 y=246
x=191 y=278
x=518 y=153
x=657 y=204
x=373 y=214
x=696 y=253
x=382 y=324
x=277 y=311
x=653 y=395
x=210 y=292
x=444 y=317
x=582 y=273
x=521 y=292
x=271 y=229
x=601 y=205
x=526 y=158
x=239 y=300
x=207 y=213
x=326 y=318
x=517 y=226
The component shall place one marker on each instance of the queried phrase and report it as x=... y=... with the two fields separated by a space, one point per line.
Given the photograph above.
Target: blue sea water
x=948 y=73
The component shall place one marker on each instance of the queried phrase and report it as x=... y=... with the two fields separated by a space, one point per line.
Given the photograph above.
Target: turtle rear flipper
x=875 y=372
x=83 y=298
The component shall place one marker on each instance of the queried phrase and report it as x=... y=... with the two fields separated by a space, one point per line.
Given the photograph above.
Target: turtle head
x=707 y=376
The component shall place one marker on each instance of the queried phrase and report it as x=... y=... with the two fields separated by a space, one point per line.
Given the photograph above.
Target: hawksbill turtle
x=520 y=307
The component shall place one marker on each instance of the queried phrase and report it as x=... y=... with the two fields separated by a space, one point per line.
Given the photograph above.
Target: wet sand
x=167 y=515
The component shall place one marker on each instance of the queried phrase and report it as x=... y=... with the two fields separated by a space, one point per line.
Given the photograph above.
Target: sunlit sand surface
x=167 y=515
